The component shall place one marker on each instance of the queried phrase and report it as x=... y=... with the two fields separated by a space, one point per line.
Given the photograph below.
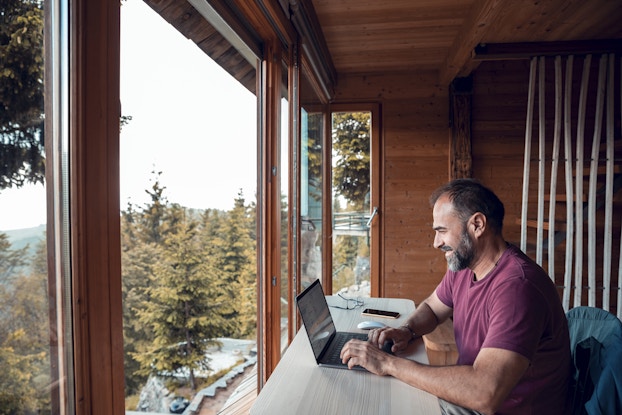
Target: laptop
x=326 y=341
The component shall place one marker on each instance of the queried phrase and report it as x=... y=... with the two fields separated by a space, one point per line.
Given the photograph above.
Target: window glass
x=351 y=184
x=284 y=149
x=312 y=135
x=188 y=184
x=31 y=334
x=312 y=127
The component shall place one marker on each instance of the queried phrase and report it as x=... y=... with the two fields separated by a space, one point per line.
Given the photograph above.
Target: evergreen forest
x=188 y=276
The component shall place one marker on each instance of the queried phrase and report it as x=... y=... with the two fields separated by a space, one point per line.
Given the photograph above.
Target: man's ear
x=478 y=223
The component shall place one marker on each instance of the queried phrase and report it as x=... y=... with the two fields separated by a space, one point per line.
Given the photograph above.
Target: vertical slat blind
x=555 y=163
x=569 y=183
x=526 y=165
x=591 y=208
x=591 y=219
x=579 y=163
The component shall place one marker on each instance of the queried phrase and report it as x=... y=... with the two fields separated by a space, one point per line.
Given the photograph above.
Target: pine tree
x=10 y=259
x=153 y=215
x=186 y=310
x=137 y=268
x=230 y=249
x=24 y=336
x=21 y=93
x=351 y=143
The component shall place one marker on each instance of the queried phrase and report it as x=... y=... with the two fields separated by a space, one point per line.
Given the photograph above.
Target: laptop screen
x=316 y=316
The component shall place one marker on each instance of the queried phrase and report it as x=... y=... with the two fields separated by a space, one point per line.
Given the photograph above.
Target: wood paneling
x=499 y=106
x=374 y=37
x=415 y=153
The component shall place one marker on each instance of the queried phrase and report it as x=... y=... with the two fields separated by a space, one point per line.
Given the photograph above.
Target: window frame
x=95 y=297
x=94 y=294
x=375 y=199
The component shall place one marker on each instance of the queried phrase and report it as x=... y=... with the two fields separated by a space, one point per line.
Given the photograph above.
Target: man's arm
x=429 y=314
x=482 y=387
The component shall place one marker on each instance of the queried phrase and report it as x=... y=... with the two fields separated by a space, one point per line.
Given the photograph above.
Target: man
x=511 y=330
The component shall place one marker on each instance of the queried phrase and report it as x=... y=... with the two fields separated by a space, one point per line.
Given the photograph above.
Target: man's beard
x=462 y=255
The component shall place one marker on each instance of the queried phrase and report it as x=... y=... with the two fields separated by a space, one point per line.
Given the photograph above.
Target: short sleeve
x=444 y=291
x=518 y=314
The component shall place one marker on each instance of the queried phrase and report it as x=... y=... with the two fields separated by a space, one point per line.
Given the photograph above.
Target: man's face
x=451 y=236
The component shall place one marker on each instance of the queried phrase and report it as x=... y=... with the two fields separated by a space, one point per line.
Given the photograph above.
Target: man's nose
x=438 y=242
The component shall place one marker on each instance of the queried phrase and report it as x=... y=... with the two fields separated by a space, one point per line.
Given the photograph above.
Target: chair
x=596 y=346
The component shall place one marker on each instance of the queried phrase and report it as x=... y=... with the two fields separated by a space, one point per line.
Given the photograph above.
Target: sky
x=190 y=120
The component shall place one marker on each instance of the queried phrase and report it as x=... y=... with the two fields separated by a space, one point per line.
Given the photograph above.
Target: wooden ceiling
x=371 y=36
x=383 y=36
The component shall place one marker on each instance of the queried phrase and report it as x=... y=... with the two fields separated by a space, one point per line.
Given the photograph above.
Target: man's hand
x=399 y=336
x=366 y=354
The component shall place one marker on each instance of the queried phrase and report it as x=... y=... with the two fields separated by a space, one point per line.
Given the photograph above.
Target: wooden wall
x=415 y=145
x=499 y=108
x=415 y=161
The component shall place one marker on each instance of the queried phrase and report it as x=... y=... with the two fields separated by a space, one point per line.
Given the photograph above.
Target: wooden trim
x=327 y=204
x=294 y=191
x=269 y=250
x=94 y=206
x=377 y=229
x=262 y=229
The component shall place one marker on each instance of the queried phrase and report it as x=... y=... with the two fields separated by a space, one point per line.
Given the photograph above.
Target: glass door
x=354 y=200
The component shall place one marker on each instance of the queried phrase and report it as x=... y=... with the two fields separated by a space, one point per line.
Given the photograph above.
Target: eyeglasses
x=351 y=303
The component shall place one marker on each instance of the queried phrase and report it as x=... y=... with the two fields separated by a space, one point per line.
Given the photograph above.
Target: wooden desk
x=299 y=386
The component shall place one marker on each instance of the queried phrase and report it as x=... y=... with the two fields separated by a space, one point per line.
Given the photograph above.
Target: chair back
x=591 y=330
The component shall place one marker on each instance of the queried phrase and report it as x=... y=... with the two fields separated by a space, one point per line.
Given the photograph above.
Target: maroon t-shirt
x=515 y=307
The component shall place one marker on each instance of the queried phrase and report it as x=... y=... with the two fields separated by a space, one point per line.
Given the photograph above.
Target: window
x=285 y=180
x=311 y=202
x=35 y=337
x=339 y=193
x=188 y=228
x=352 y=209
x=340 y=217
x=83 y=184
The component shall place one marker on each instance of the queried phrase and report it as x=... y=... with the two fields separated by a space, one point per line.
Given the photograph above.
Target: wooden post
x=460 y=159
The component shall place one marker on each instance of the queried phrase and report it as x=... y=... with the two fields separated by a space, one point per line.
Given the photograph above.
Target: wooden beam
x=510 y=51
x=459 y=60
x=460 y=159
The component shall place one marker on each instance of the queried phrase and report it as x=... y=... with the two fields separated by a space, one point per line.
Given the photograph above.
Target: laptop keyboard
x=337 y=344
